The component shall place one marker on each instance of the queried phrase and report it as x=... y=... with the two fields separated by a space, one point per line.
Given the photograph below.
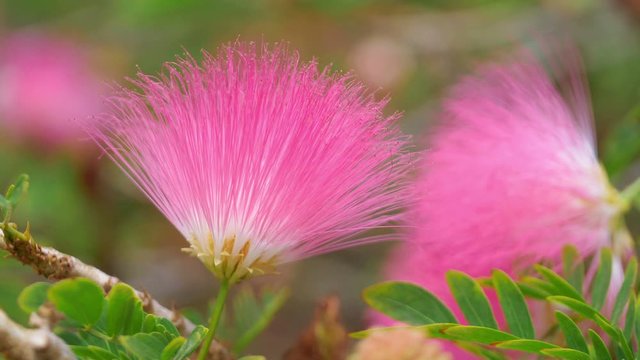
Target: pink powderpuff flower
x=510 y=179
x=512 y=176
x=46 y=89
x=259 y=159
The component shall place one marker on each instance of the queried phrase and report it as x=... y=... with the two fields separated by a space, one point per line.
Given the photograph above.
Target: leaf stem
x=215 y=318
x=631 y=192
x=270 y=309
x=12 y=232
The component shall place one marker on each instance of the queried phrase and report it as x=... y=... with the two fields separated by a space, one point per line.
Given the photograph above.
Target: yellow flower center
x=225 y=263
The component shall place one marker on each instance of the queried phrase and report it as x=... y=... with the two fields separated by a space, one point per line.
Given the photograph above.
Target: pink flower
x=511 y=177
x=46 y=87
x=512 y=174
x=258 y=159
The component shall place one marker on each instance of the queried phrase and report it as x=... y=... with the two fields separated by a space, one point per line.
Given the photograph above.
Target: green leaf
x=33 y=296
x=9 y=192
x=482 y=352
x=478 y=334
x=571 y=332
x=149 y=323
x=630 y=318
x=533 y=291
x=167 y=326
x=625 y=290
x=407 y=303
x=92 y=352
x=144 y=346
x=602 y=279
x=192 y=343
x=172 y=348
x=253 y=314
x=616 y=334
x=78 y=299
x=124 y=311
x=573 y=268
x=541 y=289
x=599 y=347
x=471 y=299
x=568 y=354
x=618 y=352
x=432 y=331
x=526 y=345
x=604 y=324
x=253 y=357
x=513 y=305
x=436 y=330
x=575 y=305
x=18 y=190
x=560 y=285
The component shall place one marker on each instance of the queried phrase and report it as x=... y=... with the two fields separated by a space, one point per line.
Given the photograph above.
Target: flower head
x=258 y=159
x=46 y=86
x=510 y=179
x=511 y=176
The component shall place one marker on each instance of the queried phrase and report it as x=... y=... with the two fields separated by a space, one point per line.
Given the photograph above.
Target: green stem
x=11 y=234
x=631 y=191
x=215 y=319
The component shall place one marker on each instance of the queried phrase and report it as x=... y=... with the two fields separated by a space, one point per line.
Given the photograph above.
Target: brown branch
x=55 y=265
x=18 y=343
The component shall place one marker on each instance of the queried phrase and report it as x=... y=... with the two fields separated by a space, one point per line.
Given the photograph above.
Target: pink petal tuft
x=259 y=159
x=512 y=175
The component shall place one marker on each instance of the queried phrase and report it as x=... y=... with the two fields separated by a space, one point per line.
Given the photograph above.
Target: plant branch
x=55 y=265
x=18 y=343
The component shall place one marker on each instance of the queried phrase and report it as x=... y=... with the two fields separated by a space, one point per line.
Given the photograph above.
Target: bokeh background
x=58 y=58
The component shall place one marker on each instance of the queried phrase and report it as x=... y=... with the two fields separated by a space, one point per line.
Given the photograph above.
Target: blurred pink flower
x=46 y=88
x=511 y=177
x=258 y=159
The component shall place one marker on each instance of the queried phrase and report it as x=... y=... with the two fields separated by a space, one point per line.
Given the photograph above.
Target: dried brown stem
x=325 y=338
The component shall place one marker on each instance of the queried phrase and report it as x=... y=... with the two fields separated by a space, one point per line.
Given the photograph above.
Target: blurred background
x=58 y=57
